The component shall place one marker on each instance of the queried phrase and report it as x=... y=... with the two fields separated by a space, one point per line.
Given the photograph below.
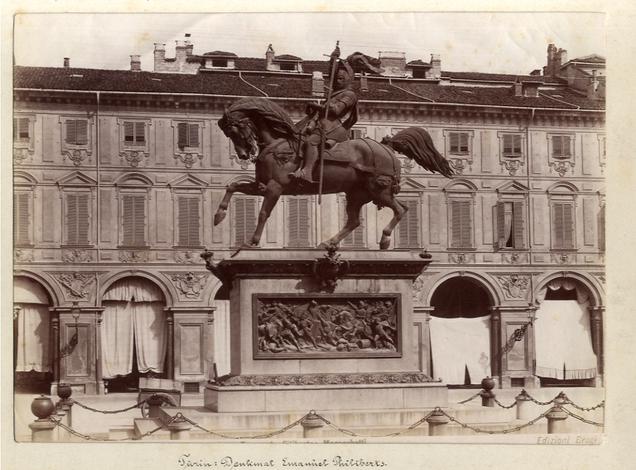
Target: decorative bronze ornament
x=329 y=268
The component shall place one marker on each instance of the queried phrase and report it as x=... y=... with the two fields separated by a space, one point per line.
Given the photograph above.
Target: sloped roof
x=287 y=57
x=418 y=63
x=592 y=58
x=500 y=77
x=220 y=54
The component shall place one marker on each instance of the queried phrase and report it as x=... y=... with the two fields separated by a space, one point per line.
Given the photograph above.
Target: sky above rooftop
x=478 y=42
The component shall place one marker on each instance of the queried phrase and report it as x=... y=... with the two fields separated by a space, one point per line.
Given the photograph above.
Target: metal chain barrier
x=591 y=408
x=469 y=399
x=514 y=403
x=568 y=402
x=86 y=407
x=258 y=436
x=419 y=422
x=580 y=418
x=492 y=431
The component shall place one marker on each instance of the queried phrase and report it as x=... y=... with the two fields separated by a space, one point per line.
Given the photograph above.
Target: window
x=510 y=225
x=563 y=225
x=461 y=223
x=298 y=222
x=76 y=132
x=189 y=221
x=219 y=63
x=458 y=143
x=21 y=129
x=288 y=66
x=357 y=133
x=561 y=147
x=244 y=218
x=134 y=133
x=408 y=229
x=357 y=238
x=22 y=218
x=77 y=217
x=188 y=135
x=134 y=219
x=512 y=145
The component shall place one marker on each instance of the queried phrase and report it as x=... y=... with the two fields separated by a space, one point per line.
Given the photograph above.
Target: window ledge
x=455 y=249
x=188 y=247
x=133 y=247
x=76 y=246
x=567 y=250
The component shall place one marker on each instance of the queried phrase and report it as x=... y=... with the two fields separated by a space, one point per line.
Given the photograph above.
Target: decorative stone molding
x=561 y=167
x=328 y=269
x=75 y=284
x=77 y=256
x=23 y=256
x=561 y=258
x=323 y=379
x=133 y=157
x=460 y=164
x=20 y=154
x=188 y=158
x=514 y=258
x=77 y=156
x=512 y=166
x=600 y=277
x=189 y=285
x=133 y=256
x=418 y=289
x=406 y=164
x=244 y=164
x=187 y=257
x=515 y=286
x=461 y=258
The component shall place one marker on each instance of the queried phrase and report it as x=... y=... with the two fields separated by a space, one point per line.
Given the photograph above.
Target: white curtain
x=460 y=343
x=563 y=340
x=117 y=339
x=149 y=326
x=128 y=289
x=582 y=295
x=33 y=338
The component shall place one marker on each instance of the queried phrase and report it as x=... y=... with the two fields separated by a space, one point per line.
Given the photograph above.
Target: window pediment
x=77 y=178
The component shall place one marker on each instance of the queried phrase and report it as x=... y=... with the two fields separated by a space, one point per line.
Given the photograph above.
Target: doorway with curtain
x=563 y=338
x=460 y=332
x=32 y=355
x=133 y=334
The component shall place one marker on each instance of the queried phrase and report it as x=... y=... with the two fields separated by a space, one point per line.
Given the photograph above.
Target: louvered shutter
x=82 y=132
x=244 y=214
x=71 y=132
x=21 y=219
x=518 y=225
x=601 y=229
x=140 y=219
x=140 y=133
x=355 y=239
x=134 y=220
x=461 y=224
x=568 y=226
x=557 y=146
x=517 y=144
x=463 y=142
x=507 y=144
x=182 y=131
x=193 y=137
x=189 y=221
x=501 y=224
x=557 y=210
x=454 y=142
x=409 y=227
x=298 y=222
x=129 y=132
x=20 y=128
x=71 y=219
x=567 y=146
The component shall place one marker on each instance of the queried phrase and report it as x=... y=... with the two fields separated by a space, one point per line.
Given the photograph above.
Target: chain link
x=514 y=403
x=258 y=436
x=492 y=431
x=591 y=408
x=580 y=418
x=417 y=423
x=469 y=399
x=86 y=407
x=106 y=439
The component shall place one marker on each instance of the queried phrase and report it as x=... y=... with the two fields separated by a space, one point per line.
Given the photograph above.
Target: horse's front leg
x=273 y=190
x=251 y=188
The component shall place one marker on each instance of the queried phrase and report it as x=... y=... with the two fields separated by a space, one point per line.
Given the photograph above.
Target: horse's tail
x=417 y=145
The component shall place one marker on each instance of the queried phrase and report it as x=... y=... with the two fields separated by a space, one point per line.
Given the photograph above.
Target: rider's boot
x=304 y=172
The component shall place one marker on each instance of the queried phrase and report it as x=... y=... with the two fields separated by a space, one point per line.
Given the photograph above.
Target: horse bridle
x=246 y=131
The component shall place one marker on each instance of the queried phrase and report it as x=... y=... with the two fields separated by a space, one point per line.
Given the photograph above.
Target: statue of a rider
x=333 y=120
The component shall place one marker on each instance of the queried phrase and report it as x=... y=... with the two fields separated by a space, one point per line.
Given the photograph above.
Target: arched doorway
x=32 y=353
x=460 y=331
x=563 y=334
x=134 y=334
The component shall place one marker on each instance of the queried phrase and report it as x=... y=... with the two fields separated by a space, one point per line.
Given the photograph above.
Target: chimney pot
x=317 y=84
x=135 y=63
x=67 y=62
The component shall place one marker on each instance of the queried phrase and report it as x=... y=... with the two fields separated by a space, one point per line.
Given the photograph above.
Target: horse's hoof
x=219 y=216
x=384 y=243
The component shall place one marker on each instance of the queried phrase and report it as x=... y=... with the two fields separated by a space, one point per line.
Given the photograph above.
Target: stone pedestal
x=304 y=339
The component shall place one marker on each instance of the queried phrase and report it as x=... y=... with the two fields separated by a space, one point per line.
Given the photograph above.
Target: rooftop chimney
x=135 y=63
x=364 y=83
x=160 y=56
x=189 y=46
x=317 y=84
x=393 y=63
x=269 y=57
x=436 y=66
x=67 y=62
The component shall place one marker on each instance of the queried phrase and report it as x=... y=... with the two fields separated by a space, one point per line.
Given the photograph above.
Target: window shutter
x=298 y=222
x=244 y=214
x=557 y=209
x=188 y=221
x=518 y=229
x=567 y=146
x=517 y=144
x=501 y=223
x=183 y=221
x=467 y=224
x=454 y=142
x=568 y=226
x=134 y=219
x=456 y=224
x=409 y=227
x=21 y=218
x=507 y=144
x=71 y=219
x=140 y=133
x=193 y=140
x=140 y=219
x=601 y=229
x=182 y=131
x=129 y=132
x=464 y=142
x=461 y=224
x=71 y=134
x=82 y=132
x=355 y=239
x=20 y=128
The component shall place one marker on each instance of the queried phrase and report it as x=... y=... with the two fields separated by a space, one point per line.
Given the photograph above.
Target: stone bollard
x=437 y=423
x=524 y=410
x=179 y=430
x=556 y=420
x=64 y=407
x=43 y=428
x=487 y=395
x=312 y=426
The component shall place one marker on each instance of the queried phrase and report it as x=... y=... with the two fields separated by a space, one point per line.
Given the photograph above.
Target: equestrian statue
x=316 y=156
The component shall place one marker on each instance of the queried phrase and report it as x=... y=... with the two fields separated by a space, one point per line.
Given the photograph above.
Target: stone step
x=144 y=425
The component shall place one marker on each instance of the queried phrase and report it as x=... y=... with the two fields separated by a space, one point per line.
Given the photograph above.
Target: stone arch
x=49 y=287
x=591 y=284
x=168 y=291
x=461 y=184
x=491 y=288
x=563 y=187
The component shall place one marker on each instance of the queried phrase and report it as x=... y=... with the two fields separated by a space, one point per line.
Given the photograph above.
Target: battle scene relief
x=315 y=326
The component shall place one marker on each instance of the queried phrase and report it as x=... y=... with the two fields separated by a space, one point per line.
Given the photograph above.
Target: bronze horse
x=365 y=170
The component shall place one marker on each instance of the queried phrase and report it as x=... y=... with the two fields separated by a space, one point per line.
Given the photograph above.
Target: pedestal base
x=303 y=398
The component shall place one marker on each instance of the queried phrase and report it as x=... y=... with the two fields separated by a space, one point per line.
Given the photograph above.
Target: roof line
x=437 y=103
x=410 y=92
x=253 y=86
x=560 y=101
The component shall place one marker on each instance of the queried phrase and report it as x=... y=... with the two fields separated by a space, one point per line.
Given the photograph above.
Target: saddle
x=378 y=161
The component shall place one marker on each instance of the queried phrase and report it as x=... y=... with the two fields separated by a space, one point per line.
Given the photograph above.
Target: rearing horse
x=365 y=170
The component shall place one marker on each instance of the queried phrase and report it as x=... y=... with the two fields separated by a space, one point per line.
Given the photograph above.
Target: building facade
x=118 y=173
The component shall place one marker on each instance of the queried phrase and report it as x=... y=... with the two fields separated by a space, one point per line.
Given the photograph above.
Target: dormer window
x=219 y=63
x=288 y=66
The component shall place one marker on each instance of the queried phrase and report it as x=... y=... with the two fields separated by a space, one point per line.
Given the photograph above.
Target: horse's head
x=240 y=129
